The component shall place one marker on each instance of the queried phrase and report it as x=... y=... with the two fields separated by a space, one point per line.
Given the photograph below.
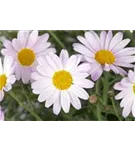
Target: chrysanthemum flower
x=127 y=93
x=60 y=81
x=25 y=50
x=105 y=52
x=6 y=76
x=1 y=115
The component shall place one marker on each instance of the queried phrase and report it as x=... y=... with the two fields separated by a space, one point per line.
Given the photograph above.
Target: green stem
x=24 y=106
x=106 y=88
x=27 y=98
x=115 y=109
x=56 y=38
x=98 y=105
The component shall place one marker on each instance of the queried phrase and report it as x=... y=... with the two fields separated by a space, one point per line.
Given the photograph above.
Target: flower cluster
x=62 y=80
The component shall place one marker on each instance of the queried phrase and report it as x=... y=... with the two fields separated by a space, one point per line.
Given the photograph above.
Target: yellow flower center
x=3 y=80
x=62 y=80
x=26 y=57
x=134 y=88
x=105 y=57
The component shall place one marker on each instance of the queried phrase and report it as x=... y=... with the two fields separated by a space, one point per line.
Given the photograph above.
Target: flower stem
x=56 y=38
x=115 y=109
x=98 y=105
x=24 y=106
x=106 y=88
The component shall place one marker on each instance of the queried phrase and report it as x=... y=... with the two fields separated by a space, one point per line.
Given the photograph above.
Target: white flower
x=105 y=52
x=127 y=93
x=60 y=81
x=6 y=76
x=25 y=50
x=1 y=115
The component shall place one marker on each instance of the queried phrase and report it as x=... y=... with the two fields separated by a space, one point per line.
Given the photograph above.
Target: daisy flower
x=25 y=49
x=127 y=93
x=105 y=53
x=59 y=81
x=1 y=115
x=6 y=76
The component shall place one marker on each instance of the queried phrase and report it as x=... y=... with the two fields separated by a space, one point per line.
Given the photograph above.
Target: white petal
x=1 y=95
x=79 y=92
x=11 y=79
x=84 y=83
x=45 y=70
x=93 y=40
x=46 y=93
x=115 y=40
x=64 y=56
x=57 y=107
x=133 y=107
x=53 y=98
x=75 y=101
x=108 y=39
x=71 y=63
x=18 y=71
x=32 y=39
x=36 y=76
x=128 y=107
x=131 y=76
x=65 y=101
x=107 y=67
x=26 y=75
x=102 y=39
x=23 y=36
x=51 y=63
x=7 y=87
x=1 y=67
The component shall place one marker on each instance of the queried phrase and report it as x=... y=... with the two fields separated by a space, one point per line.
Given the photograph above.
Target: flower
x=105 y=52
x=25 y=49
x=60 y=81
x=1 y=115
x=6 y=76
x=127 y=93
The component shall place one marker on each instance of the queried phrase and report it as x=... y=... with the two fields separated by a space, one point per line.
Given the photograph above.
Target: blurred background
x=92 y=110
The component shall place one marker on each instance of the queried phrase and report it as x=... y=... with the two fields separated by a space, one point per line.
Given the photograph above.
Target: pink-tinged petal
x=7 y=52
x=16 y=44
x=102 y=39
x=41 y=44
x=82 y=50
x=121 y=45
x=115 y=40
x=33 y=37
x=93 y=40
x=123 y=64
x=1 y=67
x=26 y=74
x=90 y=59
x=97 y=74
x=107 y=67
x=114 y=69
x=85 y=42
x=131 y=76
x=94 y=67
x=1 y=95
x=23 y=36
x=133 y=108
x=125 y=52
x=108 y=39
x=122 y=72
x=126 y=59
x=18 y=71
x=118 y=86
